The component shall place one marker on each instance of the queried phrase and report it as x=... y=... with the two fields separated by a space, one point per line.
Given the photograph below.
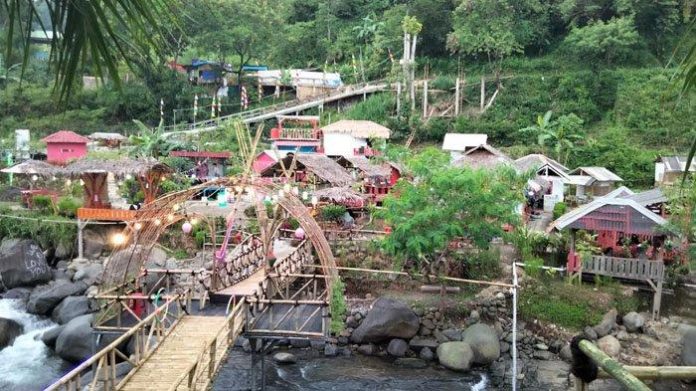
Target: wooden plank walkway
x=176 y=354
x=246 y=287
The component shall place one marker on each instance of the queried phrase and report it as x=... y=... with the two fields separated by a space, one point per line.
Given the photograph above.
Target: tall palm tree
x=99 y=33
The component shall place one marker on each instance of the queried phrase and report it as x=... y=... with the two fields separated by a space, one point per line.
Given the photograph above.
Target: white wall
x=341 y=144
x=659 y=172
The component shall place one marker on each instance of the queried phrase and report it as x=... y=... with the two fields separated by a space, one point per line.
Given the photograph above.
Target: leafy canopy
x=609 y=42
x=444 y=203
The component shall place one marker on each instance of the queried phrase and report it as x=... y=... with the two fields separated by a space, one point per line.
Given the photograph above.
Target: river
x=313 y=371
x=27 y=364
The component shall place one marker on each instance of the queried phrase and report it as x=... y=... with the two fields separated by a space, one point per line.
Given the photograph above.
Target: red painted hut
x=64 y=146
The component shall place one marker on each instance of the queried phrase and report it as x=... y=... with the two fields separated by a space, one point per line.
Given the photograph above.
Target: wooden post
x=398 y=98
x=456 y=97
x=483 y=91
x=657 y=299
x=425 y=99
x=613 y=368
x=80 y=239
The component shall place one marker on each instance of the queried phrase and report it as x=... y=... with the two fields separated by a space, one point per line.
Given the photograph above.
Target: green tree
x=608 y=42
x=150 y=142
x=444 y=203
x=560 y=134
x=238 y=31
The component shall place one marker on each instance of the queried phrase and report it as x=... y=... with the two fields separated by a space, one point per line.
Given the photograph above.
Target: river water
x=27 y=364
x=313 y=371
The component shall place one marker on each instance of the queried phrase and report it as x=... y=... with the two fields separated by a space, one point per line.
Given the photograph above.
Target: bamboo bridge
x=179 y=347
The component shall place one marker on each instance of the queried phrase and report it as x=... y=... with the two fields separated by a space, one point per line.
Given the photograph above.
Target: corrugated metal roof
x=601 y=174
x=462 y=141
x=677 y=164
x=578 y=213
x=648 y=197
x=621 y=192
x=580 y=180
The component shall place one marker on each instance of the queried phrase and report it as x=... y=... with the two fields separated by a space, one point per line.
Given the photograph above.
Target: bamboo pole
x=456 y=97
x=657 y=373
x=612 y=367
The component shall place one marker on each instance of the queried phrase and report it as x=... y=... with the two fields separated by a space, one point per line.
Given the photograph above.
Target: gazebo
x=33 y=169
x=95 y=175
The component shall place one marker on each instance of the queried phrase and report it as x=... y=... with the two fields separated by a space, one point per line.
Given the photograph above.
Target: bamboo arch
x=156 y=216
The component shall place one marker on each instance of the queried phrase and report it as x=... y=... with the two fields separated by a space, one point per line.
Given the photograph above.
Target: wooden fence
x=629 y=268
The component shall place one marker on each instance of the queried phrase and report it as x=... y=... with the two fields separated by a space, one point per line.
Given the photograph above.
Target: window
x=67 y=150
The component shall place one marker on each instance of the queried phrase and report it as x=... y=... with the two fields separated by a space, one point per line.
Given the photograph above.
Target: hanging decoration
x=161 y=110
x=195 y=107
x=186 y=227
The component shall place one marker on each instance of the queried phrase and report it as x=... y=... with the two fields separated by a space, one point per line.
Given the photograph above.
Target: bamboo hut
x=33 y=167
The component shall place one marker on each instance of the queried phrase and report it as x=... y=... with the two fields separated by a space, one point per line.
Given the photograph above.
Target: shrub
x=42 y=202
x=533 y=266
x=67 y=206
x=338 y=306
x=559 y=209
x=333 y=212
x=565 y=305
x=484 y=265
x=443 y=82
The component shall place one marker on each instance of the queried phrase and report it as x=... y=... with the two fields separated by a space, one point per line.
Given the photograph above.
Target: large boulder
x=89 y=274
x=93 y=243
x=633 y=321
x=21 y=294
x=688 y=353
x=130 y=260
x=9 y=330
x=483 y=342
x=44 y=299
x=387 y=319
x=22 y=263
x=284 y=358
x=71 y=307
x=50 y=337
x=455 y=355
x=607 y=324
x=74 y=343
x=609 y=345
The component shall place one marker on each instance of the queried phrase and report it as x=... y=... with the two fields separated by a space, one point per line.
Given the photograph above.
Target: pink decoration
x=187 y=227
x=299 y=233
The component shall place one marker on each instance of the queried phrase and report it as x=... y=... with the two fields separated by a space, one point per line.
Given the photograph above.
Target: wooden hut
x=546 y=171
x=377 y=179
x=96 y=175
x=314 y=169
x=594 y=181
x=32 y=170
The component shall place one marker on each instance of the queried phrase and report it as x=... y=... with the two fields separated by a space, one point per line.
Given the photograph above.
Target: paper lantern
x=299 y=233
x=187 y=227
x=34 y=178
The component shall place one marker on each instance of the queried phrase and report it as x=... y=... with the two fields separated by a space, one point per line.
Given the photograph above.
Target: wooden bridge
x=177 y=347
x=270 y=112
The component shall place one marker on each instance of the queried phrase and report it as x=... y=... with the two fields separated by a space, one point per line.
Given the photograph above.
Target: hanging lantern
x=82 y=183
x=170 y=217
x=53 y=178
x=295 y=191
x=129 y=176
x=187 y=227
x=68 y=182
x=315 y=200
x=137 y=226
x=34 y=178
x=286 y=187
x=305 y=195
x=299 y=233
x=158 y=222
x=176 y=207
x=281 y=193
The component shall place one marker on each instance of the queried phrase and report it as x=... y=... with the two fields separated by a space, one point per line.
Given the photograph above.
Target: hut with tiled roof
x=65 y=145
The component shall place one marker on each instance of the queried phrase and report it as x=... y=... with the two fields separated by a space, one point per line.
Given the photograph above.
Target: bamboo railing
x=200 y=373
x=155 y=327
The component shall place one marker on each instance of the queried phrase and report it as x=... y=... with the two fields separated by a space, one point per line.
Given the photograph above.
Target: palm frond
x=100 y=33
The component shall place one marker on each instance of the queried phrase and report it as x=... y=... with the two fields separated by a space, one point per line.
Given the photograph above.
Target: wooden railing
x=106 y=214
x=200 y=373
x=155 y=327
x=630 y=268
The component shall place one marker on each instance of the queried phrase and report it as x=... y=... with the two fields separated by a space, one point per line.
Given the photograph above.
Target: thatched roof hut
x=364 y=165
x=33 y=167
x=95 y=174
x=118 y=167
x=321 y=166
x=341 y=195
x=358 y=129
